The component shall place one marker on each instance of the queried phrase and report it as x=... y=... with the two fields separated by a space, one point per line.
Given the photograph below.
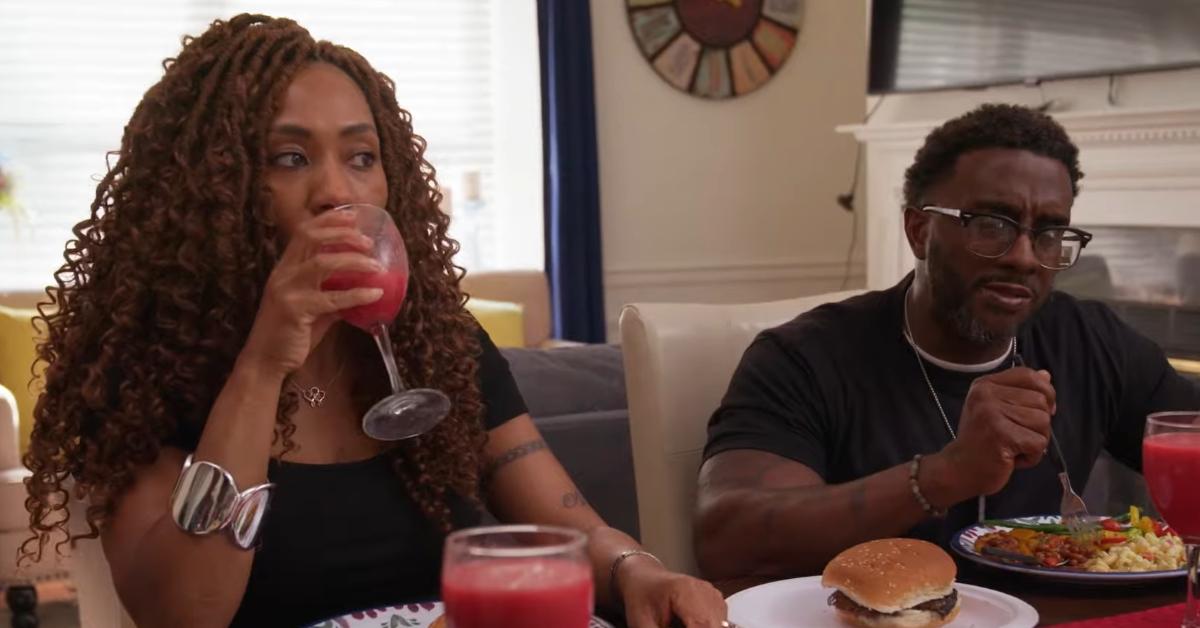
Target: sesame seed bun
x=888 y=578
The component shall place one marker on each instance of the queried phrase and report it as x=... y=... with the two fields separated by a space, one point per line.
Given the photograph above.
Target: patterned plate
x=405 y=616
x=964 y=544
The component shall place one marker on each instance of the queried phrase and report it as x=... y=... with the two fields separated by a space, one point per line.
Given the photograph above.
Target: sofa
x=576 y=396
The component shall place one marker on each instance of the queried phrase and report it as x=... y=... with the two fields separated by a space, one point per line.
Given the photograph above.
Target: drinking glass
x=517 y=576
x=1171 y=464
x=407 y=412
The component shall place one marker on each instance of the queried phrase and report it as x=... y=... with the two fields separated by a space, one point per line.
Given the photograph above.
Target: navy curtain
x=572 y=219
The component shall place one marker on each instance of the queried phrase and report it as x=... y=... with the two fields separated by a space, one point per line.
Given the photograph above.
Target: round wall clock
x=716 y=48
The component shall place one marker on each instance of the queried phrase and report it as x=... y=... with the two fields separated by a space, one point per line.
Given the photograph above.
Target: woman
x=189 y=313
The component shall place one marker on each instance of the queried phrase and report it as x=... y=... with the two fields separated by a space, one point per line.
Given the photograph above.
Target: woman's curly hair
x=162 y=283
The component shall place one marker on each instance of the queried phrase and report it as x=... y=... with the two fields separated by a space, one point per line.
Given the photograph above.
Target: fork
x=1073 y=510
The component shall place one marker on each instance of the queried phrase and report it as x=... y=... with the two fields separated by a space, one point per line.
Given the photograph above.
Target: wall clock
x=716 y=48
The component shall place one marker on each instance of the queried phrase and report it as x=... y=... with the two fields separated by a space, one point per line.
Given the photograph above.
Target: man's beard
x=951 y=306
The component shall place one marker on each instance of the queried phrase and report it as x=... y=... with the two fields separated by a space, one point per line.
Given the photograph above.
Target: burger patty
x=941 y=606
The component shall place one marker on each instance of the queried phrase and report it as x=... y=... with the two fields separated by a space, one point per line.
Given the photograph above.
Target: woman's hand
x=295 y=313
x=653 y=596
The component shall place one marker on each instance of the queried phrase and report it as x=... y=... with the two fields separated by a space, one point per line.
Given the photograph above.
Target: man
x=968 y=363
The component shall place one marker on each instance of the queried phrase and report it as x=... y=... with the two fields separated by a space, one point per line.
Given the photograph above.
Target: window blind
x=71 y=73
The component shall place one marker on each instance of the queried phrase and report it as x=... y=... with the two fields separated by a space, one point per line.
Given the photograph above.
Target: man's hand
x=1005 y=425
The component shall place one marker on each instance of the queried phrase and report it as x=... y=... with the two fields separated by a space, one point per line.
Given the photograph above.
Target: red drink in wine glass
x=394 y=284
x=407 y=412
x=1171 y=465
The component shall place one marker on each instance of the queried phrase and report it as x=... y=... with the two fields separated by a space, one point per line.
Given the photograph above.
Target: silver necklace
x=912 y=341
x=929 y=382
x=315 y=395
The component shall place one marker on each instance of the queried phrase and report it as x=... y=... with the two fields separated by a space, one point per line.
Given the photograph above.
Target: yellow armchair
x=17 y=338
x=503 y=321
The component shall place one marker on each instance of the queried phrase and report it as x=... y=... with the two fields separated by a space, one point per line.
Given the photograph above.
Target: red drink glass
x=522 y=576
x=407 y=412
x=1171 y=465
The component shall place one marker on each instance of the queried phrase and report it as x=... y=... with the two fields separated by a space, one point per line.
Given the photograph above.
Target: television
x=919 y=45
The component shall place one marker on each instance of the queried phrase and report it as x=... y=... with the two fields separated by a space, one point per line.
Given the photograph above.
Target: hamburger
x=893 y=583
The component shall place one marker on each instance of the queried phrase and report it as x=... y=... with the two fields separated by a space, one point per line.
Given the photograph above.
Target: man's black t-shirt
x=839 y=389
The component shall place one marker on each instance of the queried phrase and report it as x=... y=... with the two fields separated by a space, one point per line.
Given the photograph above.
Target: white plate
x=404 y=616
x=803 y=602
x=963 y=544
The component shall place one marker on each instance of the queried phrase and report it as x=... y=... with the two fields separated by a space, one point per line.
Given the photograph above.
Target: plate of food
x=889 y=583
x=1127 y=549
x=423 y=615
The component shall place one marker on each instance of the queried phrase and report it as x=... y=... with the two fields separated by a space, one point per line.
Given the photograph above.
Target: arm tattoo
x=512 y=455
x=573 y=499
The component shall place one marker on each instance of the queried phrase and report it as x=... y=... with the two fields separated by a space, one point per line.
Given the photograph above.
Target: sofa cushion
x=594 y=449
x=576 y=396
x=569 y=380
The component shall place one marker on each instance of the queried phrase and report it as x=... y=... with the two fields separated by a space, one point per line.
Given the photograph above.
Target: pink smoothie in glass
x=394 y=285
x=1171 y=464
x=518 y=593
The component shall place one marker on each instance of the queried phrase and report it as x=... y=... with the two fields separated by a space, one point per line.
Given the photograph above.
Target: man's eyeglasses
x=992 y=235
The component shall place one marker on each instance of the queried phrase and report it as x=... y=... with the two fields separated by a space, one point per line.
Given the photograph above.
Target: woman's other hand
x=653 y=596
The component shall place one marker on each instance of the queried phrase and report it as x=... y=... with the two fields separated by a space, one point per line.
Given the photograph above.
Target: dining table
x=1055 y=602
x=1060 y=603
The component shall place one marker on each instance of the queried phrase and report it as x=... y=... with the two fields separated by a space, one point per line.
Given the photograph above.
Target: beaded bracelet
x=913 y=468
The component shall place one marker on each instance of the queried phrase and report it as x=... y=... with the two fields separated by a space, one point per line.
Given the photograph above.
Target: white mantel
x=1141 y=167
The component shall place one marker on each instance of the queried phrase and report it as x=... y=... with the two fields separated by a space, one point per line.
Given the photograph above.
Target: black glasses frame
x=965 y=218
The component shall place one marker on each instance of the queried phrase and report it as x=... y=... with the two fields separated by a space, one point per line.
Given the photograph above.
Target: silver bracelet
x=206 y=500
x=612 y=571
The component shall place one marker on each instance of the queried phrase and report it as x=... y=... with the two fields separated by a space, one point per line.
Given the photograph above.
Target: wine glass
x=1171 y=464
x=517 y=576
x=407 y=412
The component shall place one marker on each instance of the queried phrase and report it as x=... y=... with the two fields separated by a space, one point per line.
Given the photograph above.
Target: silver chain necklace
x=912 y=341
x=929 y=382
x=315 y=395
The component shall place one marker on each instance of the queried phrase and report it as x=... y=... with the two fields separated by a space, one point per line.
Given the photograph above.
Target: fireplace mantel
x=1141 y=168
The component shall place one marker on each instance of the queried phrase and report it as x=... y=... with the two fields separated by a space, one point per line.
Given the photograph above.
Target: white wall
x=1139 y=151
x=731 y=200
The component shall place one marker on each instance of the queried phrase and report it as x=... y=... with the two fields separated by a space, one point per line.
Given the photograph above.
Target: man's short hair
x=988 y=126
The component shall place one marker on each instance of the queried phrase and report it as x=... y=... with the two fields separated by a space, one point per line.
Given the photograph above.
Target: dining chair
x=679 y=358
x=99 y=606
x=18 y=581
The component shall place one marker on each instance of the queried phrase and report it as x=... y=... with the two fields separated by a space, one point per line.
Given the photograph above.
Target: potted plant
x=8 y=197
